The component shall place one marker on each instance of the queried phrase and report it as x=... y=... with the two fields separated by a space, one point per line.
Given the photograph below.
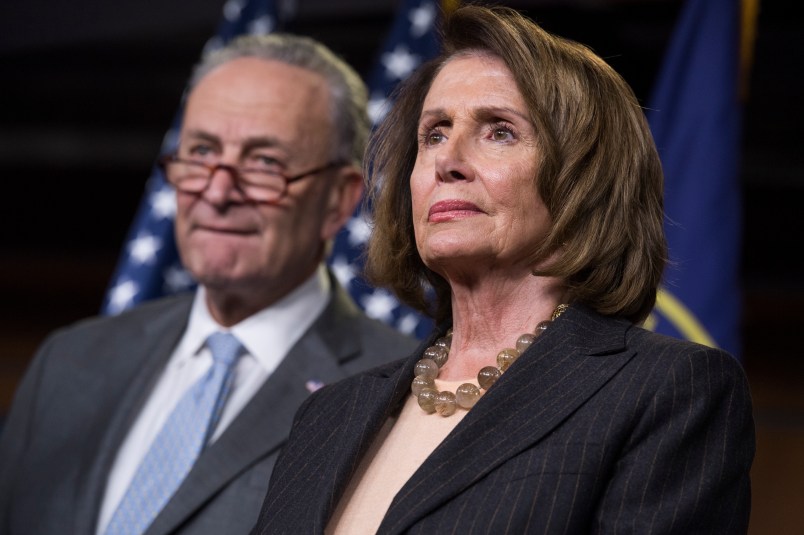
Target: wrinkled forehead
x=252 y=97
x=472 y=78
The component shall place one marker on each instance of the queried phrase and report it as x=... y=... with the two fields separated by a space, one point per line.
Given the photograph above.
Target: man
x=144 y=423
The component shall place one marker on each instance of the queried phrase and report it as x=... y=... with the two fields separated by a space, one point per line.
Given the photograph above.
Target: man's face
x=252 y=110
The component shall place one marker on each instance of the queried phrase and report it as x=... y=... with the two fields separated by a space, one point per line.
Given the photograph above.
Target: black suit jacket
x=600 y=427
x=87 y=383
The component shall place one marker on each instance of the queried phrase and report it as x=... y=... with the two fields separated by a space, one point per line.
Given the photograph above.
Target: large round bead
x=420 y=382
x=488 y=376
x=524 y=342
x=541 y=327
x=437 y=354
x=506 y=357
x=467 y=395
x=444 y=341
x=426 y=368
x=427 y=398
x=445 y=403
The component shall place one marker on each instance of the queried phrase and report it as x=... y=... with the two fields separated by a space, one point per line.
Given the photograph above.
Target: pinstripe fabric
x=600 y=427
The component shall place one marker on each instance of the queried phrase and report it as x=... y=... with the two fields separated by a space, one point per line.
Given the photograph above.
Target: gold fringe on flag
x=748 y=35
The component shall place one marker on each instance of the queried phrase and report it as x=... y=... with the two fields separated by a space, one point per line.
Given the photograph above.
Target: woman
x=517 y=178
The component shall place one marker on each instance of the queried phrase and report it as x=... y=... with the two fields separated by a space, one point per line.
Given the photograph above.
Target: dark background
x=89 y=88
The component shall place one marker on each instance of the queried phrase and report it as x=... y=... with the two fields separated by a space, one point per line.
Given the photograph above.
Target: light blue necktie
x=179 y=443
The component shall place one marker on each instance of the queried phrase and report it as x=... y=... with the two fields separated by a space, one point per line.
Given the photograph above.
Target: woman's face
x=475 y=206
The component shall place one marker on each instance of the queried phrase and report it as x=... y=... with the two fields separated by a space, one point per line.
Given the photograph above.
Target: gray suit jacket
x=87 y=383
x=600 y=427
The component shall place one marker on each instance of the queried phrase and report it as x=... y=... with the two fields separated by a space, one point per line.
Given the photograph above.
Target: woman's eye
x=434 y=138
x=501 y=134
x=431 y=137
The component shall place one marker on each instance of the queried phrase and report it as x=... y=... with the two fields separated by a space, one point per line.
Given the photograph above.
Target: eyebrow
x=483 y=113
x=248 y=145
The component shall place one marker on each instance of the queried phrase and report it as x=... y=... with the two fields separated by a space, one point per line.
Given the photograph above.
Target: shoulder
x=129 y=326
x=102 y=354
x=676 y=353
x=648 y=352
x=652 y=365
x=343 y=319
x=376 y=333
x=689 y=376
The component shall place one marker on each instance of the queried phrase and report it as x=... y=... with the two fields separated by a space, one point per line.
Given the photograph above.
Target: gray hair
x=348 y=93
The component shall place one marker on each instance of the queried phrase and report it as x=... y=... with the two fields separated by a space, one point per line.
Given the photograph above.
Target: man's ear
x=344 y=196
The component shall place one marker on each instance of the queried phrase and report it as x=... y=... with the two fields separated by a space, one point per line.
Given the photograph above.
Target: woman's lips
x=452 y=209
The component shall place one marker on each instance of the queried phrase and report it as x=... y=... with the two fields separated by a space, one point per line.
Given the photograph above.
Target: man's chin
x=221 y=279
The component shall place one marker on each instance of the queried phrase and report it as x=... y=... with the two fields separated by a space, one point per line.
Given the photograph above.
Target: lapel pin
x=313 y=384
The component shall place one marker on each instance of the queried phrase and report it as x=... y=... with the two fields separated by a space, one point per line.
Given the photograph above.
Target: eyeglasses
x=259 y=185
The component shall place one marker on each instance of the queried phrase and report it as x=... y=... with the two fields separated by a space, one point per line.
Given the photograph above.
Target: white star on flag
x=408 y=323
x=232 y=9
x=379 y=305
x=359 y=230
x=143 y=248
x=344 y=271
x=400 y=63
x=163 y=203
x=121 y=295
x=422 y=19
x=261 y=26
x=177 y=278
x=377 y=107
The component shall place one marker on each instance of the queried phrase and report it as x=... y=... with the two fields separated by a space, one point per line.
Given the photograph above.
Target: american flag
x=411 y=41
x=149 y=266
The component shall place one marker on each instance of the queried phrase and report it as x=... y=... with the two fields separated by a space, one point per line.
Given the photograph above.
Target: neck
x=490 y=316
x=230 y=303
x=230 y=308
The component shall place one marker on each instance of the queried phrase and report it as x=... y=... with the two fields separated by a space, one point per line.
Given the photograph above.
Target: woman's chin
x=458 y=263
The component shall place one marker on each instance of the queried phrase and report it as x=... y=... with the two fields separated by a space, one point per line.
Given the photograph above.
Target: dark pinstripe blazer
x=87 y=382
x=600 y=427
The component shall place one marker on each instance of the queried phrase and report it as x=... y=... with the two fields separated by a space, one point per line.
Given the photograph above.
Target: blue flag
x=695 y=116
x=149 y=265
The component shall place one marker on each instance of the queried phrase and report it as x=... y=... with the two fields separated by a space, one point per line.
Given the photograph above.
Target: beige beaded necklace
x=467 y=394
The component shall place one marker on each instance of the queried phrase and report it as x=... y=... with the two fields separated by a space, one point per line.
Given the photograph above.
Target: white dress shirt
x=267 y=337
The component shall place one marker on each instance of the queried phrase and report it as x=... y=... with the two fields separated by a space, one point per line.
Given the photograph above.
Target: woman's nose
x=452 y=160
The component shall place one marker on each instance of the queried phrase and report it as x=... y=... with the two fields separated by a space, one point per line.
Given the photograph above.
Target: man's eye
x=263 y=162
x=200 y=150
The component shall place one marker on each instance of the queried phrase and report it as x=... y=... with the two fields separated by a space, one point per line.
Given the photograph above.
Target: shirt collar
x=270 y=333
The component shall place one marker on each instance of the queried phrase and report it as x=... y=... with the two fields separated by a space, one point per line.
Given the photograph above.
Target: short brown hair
x=599 y=173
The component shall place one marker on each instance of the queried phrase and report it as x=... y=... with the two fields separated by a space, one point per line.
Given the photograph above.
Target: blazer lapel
x=135 y=359
x=318 y=357
x=565 y=367
x=346 y=420
x=376 y=398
